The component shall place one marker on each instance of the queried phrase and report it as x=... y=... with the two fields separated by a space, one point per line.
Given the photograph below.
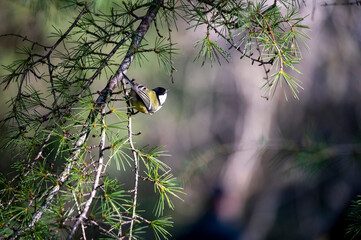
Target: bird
x=145 y=100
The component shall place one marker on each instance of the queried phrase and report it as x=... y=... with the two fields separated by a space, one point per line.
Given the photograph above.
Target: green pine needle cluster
x=271 y=36
x=353 y=229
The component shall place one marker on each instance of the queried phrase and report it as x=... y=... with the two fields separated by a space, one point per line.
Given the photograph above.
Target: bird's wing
x=141 y=92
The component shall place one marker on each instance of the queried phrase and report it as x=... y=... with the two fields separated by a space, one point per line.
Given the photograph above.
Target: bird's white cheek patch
x=162 y=98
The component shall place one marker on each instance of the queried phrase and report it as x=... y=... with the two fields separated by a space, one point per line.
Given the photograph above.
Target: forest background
x=264 y=169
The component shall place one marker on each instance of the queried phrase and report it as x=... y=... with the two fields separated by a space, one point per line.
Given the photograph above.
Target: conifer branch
x=138 y=36
x=83 y=137
x=83 y=215
x=25 y=38
x=135 y=44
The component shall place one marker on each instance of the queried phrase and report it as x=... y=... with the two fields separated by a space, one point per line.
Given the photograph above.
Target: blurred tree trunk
x=301 y=185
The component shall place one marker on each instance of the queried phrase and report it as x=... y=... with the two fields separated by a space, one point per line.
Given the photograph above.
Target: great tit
x=145 y=100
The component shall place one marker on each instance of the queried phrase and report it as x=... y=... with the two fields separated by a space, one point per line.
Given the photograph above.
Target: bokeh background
x=251 y=169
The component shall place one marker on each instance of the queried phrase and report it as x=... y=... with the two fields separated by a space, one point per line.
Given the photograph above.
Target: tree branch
x=138 y=36
x=25 y=38
x=99 y=170
x=137 y=39
x=136 y=172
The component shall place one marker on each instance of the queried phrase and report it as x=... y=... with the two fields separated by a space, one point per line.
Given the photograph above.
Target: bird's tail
x=129 y=81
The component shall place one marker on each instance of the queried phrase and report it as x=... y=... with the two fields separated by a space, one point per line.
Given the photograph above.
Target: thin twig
x=62 y=178
x=273 y=39
x=25 y=38
x=356 y=2
x=62 y=37
x=79 y=212
x=136 y=172
x=170 y=50
x=259 y=60
x=83 y=215
x=105 y=231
